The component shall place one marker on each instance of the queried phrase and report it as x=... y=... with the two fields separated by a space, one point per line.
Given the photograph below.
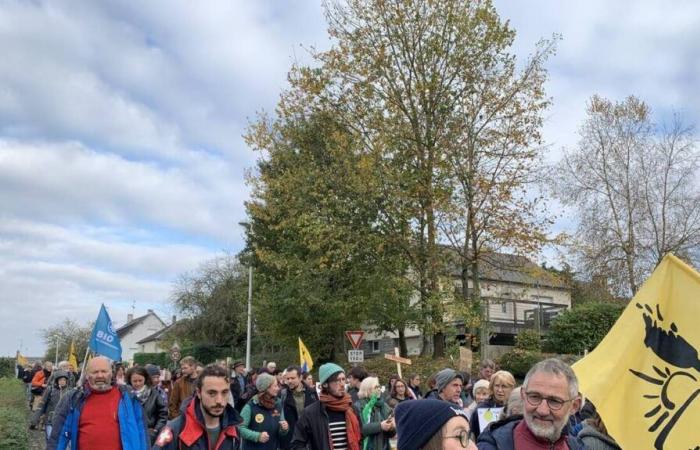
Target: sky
x=122 y=164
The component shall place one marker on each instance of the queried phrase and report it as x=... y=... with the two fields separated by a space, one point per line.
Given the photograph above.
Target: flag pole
x=82 y=372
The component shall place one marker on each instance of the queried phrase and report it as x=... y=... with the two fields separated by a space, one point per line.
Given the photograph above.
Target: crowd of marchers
x=217 y=407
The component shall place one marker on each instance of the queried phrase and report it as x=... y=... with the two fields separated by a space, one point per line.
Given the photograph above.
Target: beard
x=546 y=428
x=101 y=385
x=214 y=410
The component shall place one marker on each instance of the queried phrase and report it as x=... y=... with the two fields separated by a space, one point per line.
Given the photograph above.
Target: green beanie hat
x=327 y=370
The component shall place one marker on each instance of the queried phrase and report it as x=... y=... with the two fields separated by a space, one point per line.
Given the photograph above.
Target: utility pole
x=250 y=317
x=56 y=362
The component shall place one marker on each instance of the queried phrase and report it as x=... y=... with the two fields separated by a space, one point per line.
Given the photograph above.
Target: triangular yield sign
x=355 y=338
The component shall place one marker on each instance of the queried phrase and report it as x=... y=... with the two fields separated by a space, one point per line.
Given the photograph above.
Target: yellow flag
x=305 y=360
x=644 y=377
x=72 y=358
x=21 y=360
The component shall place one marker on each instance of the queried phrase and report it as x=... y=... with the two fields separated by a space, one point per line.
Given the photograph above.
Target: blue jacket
x=132 y=423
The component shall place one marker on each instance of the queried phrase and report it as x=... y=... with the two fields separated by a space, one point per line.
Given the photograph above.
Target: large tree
x=634 y=185
x=212 y=301
x=430 y=89
x=63 y=334
x=322 y=265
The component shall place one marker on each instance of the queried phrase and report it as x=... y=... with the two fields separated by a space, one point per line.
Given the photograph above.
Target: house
x=135 y=330
x=153 y=342
x=518 y=294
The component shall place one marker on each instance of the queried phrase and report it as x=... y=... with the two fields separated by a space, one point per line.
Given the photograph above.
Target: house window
x=375 y=346
x=504 y=307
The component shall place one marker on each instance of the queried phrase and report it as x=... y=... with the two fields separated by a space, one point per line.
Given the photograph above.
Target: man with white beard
x=550 y=395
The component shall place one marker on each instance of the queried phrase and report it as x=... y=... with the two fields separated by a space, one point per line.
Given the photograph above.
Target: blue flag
x=104 y=340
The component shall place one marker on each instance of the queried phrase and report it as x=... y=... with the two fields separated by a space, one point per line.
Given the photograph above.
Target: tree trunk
x=403 y=348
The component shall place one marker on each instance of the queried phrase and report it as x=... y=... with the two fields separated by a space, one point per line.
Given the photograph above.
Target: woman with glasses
x=399 y=393
x=432 y=425
x=500 y=386
x=376 y=420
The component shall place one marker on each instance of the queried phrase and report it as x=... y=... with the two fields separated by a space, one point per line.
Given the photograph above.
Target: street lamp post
x=56 y=361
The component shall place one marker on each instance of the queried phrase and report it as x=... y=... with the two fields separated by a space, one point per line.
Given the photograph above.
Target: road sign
x=356 y=356
x=355 y=338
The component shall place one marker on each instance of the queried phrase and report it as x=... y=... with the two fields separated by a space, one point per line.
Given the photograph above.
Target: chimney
x=129 y=317
x=149 y=311
x=174 y=318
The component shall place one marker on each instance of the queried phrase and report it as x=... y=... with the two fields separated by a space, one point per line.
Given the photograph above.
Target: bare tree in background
x=635 y=190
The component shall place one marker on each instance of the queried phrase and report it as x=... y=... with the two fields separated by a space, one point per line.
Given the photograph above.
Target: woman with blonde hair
x=375 y=416
x=500 y=386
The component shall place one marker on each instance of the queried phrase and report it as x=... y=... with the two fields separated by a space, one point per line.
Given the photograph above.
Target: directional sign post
x=355 y=338
x=398 y=360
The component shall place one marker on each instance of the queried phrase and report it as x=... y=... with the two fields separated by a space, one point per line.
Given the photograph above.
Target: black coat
x=156 y=412
x=311 y=431
x=290 y=411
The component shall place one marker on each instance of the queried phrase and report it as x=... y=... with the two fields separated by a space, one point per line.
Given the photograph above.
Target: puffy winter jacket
x=187 y=431
x=66 y=421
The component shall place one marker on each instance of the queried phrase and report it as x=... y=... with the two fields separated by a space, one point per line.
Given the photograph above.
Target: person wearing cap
x=432 y=425
x=502 y=382
x=238 y=383
x=263 y=422
x=49 y=400
x=330 y=423
x=448 y=386
x=156 y=384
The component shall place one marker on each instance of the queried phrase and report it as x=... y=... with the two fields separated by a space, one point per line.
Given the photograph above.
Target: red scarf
x=352 y=425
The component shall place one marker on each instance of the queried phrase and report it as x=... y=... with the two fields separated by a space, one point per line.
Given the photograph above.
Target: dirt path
x=37 y=440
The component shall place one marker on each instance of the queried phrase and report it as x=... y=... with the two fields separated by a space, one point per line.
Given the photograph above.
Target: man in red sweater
x=550 y=396
x=99 y=415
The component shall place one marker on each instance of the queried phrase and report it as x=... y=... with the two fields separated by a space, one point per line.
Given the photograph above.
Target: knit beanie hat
x=327 y=370
x=264 y=381
x=443 y=378
x=481 y=384
x=417 y=421
x=152 y=370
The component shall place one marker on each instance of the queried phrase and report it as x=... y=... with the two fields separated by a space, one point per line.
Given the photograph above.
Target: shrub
x=7 y=367
x=518 y=361
x=528 y=340
x=13 y=415
x=582 y=327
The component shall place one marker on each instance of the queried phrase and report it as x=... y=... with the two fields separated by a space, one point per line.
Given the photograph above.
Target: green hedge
x=7 y=367
x=13 y=415
x=159 y=359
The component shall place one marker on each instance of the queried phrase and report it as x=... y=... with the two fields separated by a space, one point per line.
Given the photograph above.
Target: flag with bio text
x=104 y=340
x=644 y=377
x=305 y=360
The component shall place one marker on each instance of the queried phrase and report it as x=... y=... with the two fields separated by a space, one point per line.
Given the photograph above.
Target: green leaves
x=582 y=328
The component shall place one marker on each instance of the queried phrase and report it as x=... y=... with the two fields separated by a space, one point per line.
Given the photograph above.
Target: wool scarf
x=352 y=425
x=266 y=400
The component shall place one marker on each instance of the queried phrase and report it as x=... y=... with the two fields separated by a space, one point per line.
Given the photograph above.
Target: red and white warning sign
x=355 y=338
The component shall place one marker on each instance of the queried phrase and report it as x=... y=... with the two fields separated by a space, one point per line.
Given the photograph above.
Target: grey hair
x=556 y=367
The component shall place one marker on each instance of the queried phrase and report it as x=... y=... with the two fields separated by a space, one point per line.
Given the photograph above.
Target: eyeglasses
x=463 y=437
x=554 y=404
